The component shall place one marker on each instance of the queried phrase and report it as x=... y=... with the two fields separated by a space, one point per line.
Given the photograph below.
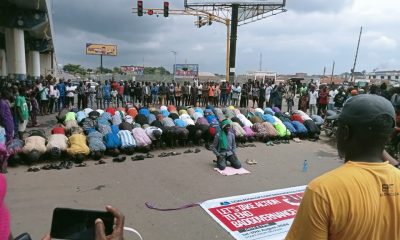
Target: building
x=392 y=77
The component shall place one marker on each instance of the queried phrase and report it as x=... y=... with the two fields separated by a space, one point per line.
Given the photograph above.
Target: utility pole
x=173 y=69
x=333 y=69
x=232 y=50
x=355 y=59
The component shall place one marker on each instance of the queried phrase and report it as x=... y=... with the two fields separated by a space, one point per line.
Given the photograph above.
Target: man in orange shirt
x=361 y=199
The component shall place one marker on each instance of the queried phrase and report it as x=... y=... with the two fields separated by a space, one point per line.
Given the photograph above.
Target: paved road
x=164 y=182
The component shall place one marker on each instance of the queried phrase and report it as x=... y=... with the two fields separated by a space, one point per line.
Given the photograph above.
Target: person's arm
x=214 y=145
x=312 y=218
x=386 y=157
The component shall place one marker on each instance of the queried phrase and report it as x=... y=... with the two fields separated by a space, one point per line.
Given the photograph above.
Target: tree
x=117 y=70
x=74 y=69
x=105 y=70
x=156 y=70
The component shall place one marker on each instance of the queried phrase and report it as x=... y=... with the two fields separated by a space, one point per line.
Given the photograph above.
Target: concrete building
x=392 y=77
x=26 y=42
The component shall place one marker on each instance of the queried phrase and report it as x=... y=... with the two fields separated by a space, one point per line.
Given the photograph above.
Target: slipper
x=175 y=153
x=81 y=165
x=69 y=165
x=297 y=140
x=276 y=142
x=46 y=167
x=250 y=162
x=251 y=145
x=137 y=158
x=270 y=143
x=197 y=150
x=188 y=151
x=254 y=161
x=62 y=165
x=119 y=159
x=34 y=169
x=149 y=155
x=100 y=162
x=163 y=154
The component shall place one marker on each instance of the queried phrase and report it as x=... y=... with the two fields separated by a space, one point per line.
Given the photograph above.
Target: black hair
x=33 y=156
x=96 y=155
x=79 y=158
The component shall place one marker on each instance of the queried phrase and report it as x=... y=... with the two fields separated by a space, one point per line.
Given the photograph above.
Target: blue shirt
x=61 y=89
x=106 y=90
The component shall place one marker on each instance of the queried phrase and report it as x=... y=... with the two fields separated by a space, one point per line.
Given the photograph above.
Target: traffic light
x=140 y=8
x=166 y=9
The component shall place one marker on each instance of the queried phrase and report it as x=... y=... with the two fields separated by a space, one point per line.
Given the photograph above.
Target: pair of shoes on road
x=119 y=159
x=188 y=151
x=164 y=154
x=269 y=143
x=50 y=166
x=65 y=165
x=196 y=150
x=285 y=141
x=100 y=162
x=297 y=140
x=34 y=169
x=251 y=161
x=81 y=165
x=138 y=157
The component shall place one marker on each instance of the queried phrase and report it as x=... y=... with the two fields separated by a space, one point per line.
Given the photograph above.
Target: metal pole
x=355 y=59
x=228 y=36
x=232 y=45
x=101 y=63
x=333 y=69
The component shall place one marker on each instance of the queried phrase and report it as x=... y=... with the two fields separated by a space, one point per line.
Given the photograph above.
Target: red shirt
x=120 y=90
x=58 y=130
x=297 y=117
x=323 y=97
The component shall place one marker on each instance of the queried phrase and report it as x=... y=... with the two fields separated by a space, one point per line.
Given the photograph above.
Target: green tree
x=74 y=69
x=117 y=70
x=156 y=70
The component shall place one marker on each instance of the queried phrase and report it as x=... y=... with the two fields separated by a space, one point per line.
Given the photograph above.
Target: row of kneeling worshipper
x=93 y=133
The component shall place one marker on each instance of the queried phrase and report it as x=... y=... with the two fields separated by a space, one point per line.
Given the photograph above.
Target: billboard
x=101 y=49
x=136 y=70
x=186 y=70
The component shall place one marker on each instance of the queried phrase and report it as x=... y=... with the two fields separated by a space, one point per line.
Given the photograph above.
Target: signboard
x=137 y=70
x=264 y=215
x=186 y=70
x=101 y=49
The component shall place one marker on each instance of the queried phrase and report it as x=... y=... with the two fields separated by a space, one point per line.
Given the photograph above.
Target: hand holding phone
x=118 y=232
x=74 y=224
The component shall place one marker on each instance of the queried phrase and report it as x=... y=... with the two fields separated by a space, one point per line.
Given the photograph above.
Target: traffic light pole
x=215 y=18
x=232 y=47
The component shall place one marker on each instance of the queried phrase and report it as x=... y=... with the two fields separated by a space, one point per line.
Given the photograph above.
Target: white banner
x=264 y=215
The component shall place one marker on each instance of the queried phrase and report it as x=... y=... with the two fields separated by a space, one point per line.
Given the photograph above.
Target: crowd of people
x=142 y=116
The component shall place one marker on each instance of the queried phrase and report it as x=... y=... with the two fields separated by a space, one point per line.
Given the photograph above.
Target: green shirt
x=21 y=103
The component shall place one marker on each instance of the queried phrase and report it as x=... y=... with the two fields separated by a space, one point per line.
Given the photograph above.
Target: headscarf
x=223 y=139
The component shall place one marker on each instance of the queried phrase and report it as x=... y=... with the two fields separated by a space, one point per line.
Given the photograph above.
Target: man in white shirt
x=332 y=94
x=313 y=96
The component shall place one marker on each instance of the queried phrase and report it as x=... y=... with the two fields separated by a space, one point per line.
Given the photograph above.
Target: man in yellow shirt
x=361 y=199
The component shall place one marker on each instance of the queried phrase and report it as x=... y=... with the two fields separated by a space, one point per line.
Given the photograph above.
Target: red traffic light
x=140 y=8
x=166 y=9
x=150 y=12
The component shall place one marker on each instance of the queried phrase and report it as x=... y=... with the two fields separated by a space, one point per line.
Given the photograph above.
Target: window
x=374 y=77
x=397 y=77
x=389 y=77
x=382 y=77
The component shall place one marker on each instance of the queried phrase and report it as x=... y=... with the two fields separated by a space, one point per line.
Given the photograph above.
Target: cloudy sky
x=309 y=36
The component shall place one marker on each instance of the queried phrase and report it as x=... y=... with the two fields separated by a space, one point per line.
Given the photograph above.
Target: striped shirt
x=127 y=139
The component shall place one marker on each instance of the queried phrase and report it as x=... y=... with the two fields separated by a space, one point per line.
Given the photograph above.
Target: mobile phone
x=79 y=224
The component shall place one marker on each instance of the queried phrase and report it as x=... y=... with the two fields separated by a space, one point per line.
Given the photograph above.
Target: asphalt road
x=164 y=182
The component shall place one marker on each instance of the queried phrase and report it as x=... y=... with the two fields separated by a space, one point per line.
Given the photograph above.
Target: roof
x=334 y=80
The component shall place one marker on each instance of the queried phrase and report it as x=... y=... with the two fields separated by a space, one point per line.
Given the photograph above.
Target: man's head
x=226 y=125
x=364 y=127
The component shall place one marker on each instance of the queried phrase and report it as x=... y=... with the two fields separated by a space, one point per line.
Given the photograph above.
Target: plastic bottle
x=305 y=166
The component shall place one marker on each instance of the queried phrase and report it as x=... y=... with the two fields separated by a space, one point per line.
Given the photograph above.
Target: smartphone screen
x=77 y=224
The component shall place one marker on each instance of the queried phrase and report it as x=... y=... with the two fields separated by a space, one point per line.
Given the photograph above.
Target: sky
x=308 y=37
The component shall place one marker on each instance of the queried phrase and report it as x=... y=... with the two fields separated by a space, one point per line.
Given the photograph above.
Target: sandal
x=149 y=155
x=188 y=151
x=197 y=150
x=34 y=169
x=163 y=154
x=137 y=158
x=69 y=165
x=81 y=165
x=100 y=162
x=175 y=153
x=46 y=167
x=250 y=162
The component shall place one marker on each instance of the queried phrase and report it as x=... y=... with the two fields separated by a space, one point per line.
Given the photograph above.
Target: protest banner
x=263 y=215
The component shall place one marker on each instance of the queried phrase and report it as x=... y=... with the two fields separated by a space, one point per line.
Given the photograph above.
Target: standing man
x=224 y=147
x=360 y=199
x=106 y=94
x=81 y=95
x=313 y=96
x=99 y=95
x=62 y=90
x=22 y=112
